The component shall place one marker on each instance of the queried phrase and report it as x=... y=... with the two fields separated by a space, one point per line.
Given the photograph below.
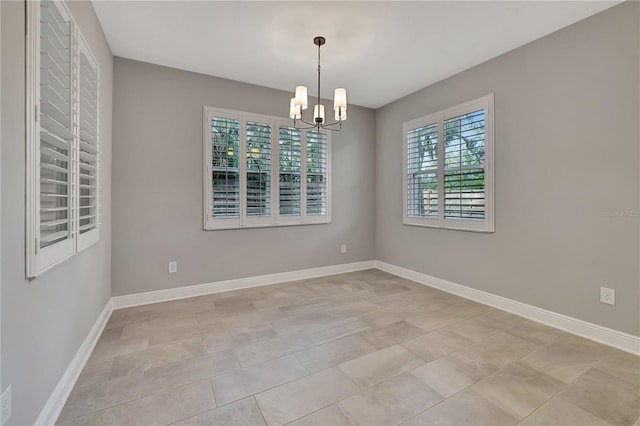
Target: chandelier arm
x=307 y=127
x=331 y=126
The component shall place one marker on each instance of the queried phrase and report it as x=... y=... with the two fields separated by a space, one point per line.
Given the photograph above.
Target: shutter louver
x=316 y=192
x=57 y=115
x=88 y=149
x=258 y=169
x=289 y=171
x=422 y=172
x=464 y=173
x=225 y=171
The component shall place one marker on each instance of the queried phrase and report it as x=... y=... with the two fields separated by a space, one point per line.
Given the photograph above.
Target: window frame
x=487 y=225
x=42 y=259
x=275 y=219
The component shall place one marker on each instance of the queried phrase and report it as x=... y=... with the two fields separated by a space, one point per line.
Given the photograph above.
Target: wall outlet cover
x=173 y=267
x=607 y=295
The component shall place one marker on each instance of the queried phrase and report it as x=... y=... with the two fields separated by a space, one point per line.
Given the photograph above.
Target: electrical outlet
x=6 y=405
x=173 y=267
x=343 y=248
x=607 y=295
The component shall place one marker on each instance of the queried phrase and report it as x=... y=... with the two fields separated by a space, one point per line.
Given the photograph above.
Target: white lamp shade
x=341 y=114
x=318 y=111
x=294 y=110
x=340 y=98
x=301 y=97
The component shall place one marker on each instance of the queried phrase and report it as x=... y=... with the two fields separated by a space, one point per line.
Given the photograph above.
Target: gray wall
x=157 y=186
x=567 y=138
x=45 y=321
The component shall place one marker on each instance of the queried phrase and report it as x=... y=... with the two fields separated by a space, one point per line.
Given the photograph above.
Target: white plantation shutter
x=464 y=140
x=55 y=180
x=53 y=136
x=317 y=175
x=225 y=168
x=422 y=171
x=258 y=166
x=261 y=171
x=87 y=204
x=448 y=175
x=290 y=166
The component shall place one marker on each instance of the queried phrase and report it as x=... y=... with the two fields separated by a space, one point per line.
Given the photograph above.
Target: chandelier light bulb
x=301 y=97
x=340 y=98
x=294 y=110
x=341 y=114
x=318 y=113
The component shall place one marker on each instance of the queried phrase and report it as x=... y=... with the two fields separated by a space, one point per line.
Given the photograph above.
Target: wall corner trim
x=597 y=333
x=235 y=284
x=58 y=397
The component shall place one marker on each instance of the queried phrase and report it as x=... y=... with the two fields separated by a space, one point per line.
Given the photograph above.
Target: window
x=261 y=171
x=62 y=140
x=448 y=174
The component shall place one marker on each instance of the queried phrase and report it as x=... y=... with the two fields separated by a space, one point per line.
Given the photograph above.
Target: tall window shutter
x=225 y=171
x=56 y=118
x=289 y=170
x=62 y=138
x=464 y=174
x=87 y=208
x=258 y=157
x=316 y=191
x=422 y=171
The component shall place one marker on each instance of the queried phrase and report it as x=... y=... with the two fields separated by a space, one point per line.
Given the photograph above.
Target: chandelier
x=300 y=102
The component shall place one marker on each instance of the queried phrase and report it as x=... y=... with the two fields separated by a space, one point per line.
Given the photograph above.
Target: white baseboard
x=598 y=333
x=236 y=284
x=56 y=401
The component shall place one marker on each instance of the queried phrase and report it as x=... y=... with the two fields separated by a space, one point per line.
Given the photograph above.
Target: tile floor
x=364 y=348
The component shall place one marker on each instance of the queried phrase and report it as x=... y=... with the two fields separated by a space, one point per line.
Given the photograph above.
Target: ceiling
x=379 y=51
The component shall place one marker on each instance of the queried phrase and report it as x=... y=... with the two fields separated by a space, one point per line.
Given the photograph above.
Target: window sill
x=257 y=226
x=490 y=230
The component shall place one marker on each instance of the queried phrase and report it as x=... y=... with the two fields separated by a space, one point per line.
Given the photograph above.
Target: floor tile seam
x=383 y=381
x=566 y=402
x=572 y=404
x=360 y=390
x=553 y=395
x=204 y=353
x=469 y=387
x=444 y=398
x=253 y=395
x=426 y=362
x=132 y=400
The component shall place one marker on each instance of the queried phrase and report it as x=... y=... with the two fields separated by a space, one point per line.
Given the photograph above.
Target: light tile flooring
x=364 y=348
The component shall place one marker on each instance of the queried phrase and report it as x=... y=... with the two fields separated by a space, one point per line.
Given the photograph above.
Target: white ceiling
x=379 y=51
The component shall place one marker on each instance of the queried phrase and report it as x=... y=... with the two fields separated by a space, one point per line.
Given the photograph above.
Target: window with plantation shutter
x=62 y=138
x=261 y=171
x=448 y=172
